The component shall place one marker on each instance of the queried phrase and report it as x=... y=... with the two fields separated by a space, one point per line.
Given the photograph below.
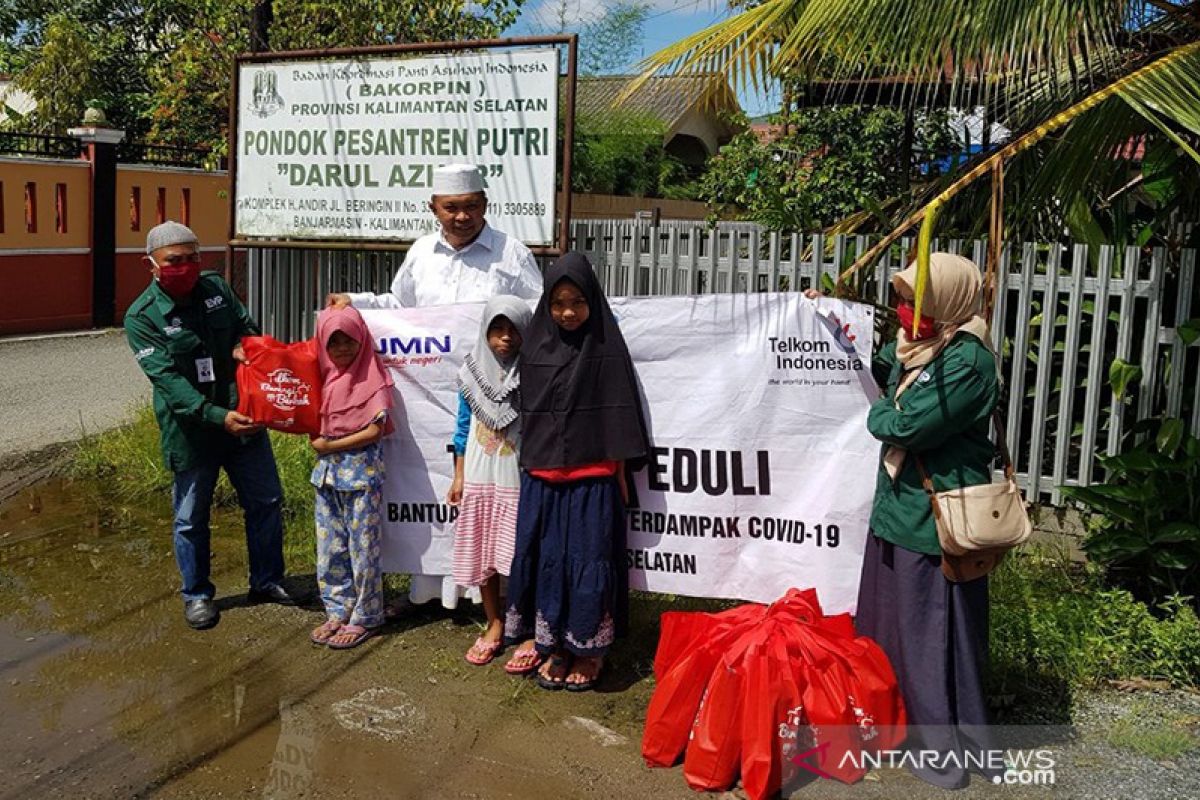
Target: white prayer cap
x=457 y=179
x=169 y=233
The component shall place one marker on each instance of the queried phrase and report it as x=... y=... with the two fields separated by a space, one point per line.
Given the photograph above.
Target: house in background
x=698 y=110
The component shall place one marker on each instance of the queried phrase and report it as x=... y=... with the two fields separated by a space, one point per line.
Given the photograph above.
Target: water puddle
x=106 y=693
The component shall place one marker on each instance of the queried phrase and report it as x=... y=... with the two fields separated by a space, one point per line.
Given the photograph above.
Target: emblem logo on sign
x=266 y=99
x=285 y=391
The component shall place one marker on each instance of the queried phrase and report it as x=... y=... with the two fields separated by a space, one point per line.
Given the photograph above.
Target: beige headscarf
x=952 y=302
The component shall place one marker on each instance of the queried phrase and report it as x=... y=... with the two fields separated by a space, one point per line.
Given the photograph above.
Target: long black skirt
x=936 y=635
x=569 y=587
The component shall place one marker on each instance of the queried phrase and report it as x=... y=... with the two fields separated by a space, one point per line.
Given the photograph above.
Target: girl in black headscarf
x=581 y=420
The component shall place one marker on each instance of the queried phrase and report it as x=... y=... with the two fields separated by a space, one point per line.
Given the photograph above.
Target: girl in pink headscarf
x=355 y=400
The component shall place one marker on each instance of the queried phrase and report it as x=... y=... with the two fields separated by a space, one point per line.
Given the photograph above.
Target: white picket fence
x=1123 y=303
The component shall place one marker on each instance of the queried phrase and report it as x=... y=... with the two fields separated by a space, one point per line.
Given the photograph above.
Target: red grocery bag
x=280 y=385
x=774 y=728
x=800 y=604
x=875 y=696
x=714 y=749
x=682 y=631
x=826 y=692
x=671 y=714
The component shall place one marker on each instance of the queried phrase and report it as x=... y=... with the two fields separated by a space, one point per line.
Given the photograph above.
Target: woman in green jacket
x=940 y=389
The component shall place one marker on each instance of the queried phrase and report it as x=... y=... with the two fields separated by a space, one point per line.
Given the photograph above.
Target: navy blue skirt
x=935 y=633
x=568 y=587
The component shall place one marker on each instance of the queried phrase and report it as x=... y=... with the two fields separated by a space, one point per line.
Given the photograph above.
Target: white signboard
x=762 y=471
x=346 y=149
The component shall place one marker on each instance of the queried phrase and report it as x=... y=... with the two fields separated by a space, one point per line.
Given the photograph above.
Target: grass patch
x=1055 y=626
x=1149 y=734
x=126 y=463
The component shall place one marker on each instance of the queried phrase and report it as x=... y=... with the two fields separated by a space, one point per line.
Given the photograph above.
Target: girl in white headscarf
x=487 y=477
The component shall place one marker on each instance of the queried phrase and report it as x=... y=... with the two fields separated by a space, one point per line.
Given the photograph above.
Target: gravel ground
x=55 y=387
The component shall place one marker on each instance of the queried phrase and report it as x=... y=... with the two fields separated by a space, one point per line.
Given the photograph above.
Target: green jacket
x=945 y=418
x=167 y=339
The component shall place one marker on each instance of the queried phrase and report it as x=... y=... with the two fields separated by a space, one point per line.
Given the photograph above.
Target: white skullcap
x=167 y=234
x=457 y=179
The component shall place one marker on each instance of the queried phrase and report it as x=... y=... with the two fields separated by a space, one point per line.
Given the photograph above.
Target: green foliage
x=1056 y=626
x=831 y=163
x=1037 y=59
x=1121 y=374
x=162 y=67
x=622 y=153
x=350 y=23
x=610 y=42
x=1143 y=520
x=63 y=78
x=1189 y=331
x=609 y=34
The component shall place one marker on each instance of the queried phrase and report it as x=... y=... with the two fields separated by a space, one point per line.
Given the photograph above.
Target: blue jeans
x=250 y=466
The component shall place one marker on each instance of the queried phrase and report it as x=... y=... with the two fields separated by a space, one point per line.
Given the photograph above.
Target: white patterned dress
x=486 y=529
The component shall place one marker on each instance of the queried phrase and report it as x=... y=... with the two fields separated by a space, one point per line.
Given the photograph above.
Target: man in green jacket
x=185 y=331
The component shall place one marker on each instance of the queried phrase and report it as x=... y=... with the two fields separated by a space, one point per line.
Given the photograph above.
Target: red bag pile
x=770 y=692
x=280 y=386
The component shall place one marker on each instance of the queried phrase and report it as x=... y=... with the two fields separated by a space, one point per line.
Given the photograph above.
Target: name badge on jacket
x=204 y=370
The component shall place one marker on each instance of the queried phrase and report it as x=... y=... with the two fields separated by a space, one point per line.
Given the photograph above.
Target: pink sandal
x=486 y=649
x=359 y=633
x=326 y=631
x=524 y=662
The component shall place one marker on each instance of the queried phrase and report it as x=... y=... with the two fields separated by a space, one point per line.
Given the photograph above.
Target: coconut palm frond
x=740 y=48
x=1179 y=68
x=1003 y=43
x=1009 y=40
x=1169 y=97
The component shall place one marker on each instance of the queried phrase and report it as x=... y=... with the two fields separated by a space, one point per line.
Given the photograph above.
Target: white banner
x=762 y=470
x=346 y=149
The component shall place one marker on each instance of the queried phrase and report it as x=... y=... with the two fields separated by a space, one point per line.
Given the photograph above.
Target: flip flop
x=549 y=683
x=521 y=655
x=359 y=633
x=488 y=649
x=325 y=631
x=585 y=686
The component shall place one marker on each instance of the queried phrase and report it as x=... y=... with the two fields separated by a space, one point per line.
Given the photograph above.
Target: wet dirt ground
x=104 y=692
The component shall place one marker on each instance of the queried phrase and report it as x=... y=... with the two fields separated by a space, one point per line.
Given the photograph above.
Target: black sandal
x=556 y=662
x=588 y=685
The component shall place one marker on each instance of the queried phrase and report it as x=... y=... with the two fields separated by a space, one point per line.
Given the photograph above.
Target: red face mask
x=178 y=280
x=906 y=312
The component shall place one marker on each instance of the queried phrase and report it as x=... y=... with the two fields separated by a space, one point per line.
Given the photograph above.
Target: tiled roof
x=667 y=97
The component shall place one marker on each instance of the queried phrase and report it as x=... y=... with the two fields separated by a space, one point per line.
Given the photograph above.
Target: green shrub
x=1055 y=625
x=1143 y=519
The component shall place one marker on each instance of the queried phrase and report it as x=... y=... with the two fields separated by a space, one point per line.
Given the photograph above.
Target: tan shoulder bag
x=977 y=525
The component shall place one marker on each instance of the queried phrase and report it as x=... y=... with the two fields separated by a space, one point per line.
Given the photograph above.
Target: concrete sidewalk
x=55 y=388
